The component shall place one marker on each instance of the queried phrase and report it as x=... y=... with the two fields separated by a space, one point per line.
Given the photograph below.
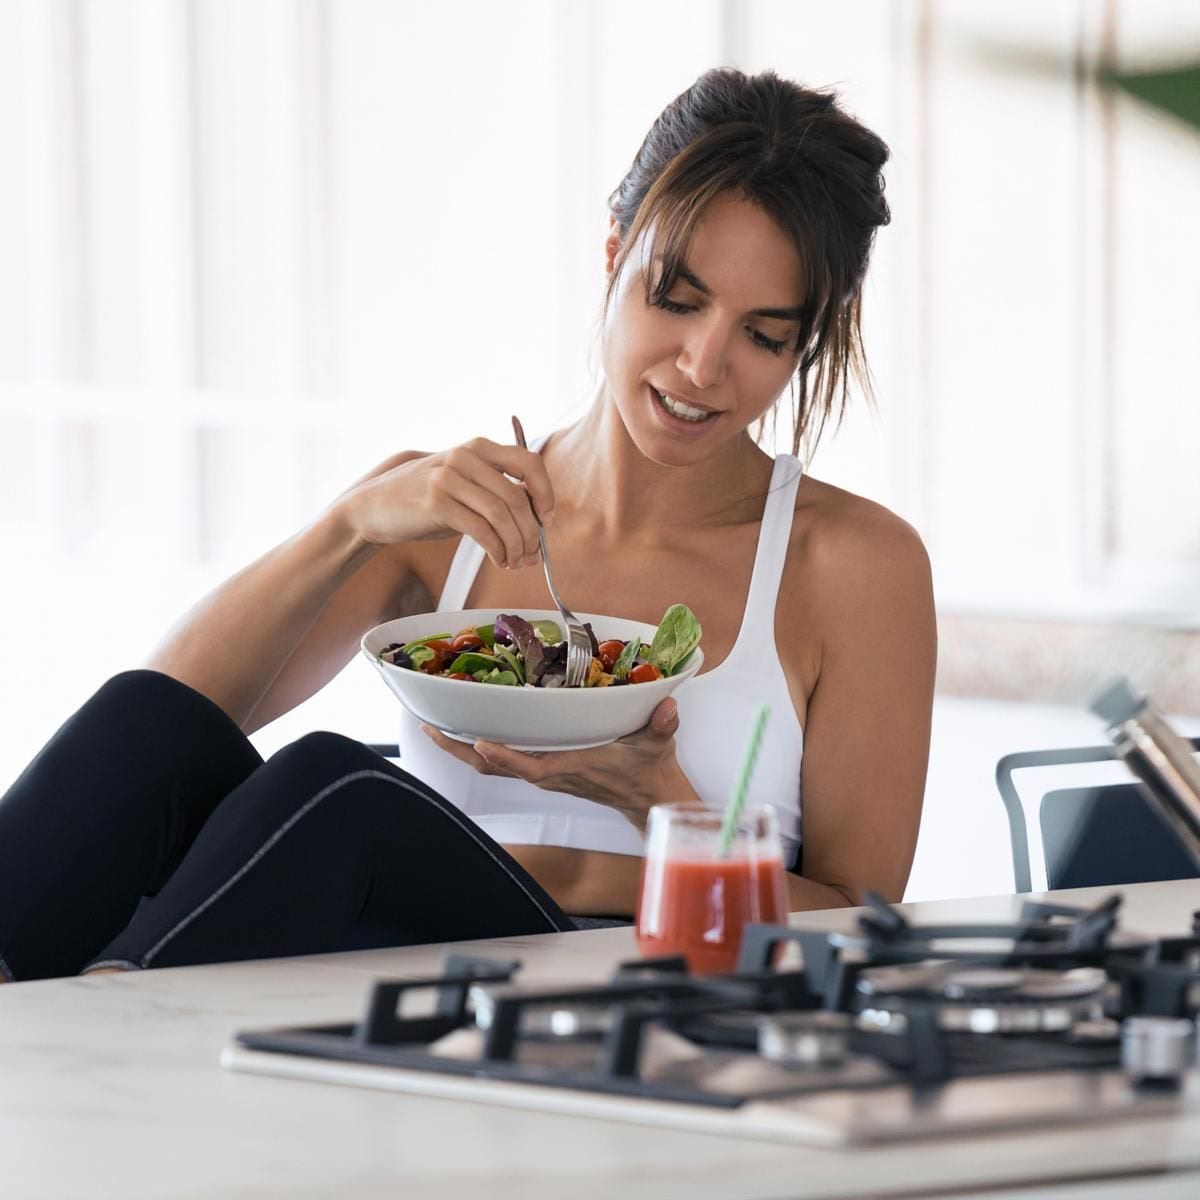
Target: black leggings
x=150 y=833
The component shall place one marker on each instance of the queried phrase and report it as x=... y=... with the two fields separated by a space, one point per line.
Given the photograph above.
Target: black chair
x=1090 y=836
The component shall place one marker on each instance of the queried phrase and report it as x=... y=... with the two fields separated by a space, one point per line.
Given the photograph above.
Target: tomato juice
x=698 y=907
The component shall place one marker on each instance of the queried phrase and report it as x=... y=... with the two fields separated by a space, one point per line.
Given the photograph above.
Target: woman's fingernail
x=425 y=729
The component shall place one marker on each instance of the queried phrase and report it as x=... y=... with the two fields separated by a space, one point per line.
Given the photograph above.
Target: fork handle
x=520 y=436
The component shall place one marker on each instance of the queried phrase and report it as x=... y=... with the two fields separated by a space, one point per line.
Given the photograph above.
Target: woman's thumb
x=666 y=717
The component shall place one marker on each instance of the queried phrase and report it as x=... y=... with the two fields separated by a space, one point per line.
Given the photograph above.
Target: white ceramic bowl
x=525 y=718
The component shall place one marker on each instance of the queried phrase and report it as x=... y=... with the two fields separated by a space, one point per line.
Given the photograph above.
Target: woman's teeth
x=679 y=409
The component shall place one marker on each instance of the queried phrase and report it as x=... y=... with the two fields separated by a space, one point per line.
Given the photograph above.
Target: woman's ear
x=612 y=245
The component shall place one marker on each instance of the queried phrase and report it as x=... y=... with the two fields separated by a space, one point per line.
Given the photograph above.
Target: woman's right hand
x=416 y=497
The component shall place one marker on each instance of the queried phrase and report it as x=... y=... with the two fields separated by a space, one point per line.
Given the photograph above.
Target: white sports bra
x=715 y=710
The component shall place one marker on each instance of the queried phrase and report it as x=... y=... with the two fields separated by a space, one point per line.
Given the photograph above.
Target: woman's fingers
x=524 y=465
x=462 y=517
x=508 y=506
x=463 y=490
x=464 y=753
x=414 y=497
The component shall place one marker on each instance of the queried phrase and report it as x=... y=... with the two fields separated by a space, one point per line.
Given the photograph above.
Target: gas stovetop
x=894 y=1032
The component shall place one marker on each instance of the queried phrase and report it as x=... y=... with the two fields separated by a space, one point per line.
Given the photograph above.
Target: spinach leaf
x=513 y=661
x=471 y=661
x=487 y=634
x=507 y=678
x=677 y=635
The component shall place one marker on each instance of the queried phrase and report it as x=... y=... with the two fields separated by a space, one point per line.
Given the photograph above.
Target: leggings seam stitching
x=445 y=808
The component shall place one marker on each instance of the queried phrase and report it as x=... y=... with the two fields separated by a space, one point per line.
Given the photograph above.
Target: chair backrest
x=1095 y=828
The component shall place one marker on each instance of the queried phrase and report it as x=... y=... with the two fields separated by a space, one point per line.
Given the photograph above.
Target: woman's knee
x=141 y=699
x=141 y=686
x=312 y=764
x=322 y=752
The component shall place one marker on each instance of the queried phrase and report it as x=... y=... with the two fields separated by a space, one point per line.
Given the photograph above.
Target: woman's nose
x=702 y=357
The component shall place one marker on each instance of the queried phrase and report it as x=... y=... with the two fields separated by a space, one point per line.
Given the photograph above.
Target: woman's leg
x=105 y=813
x=329 y=847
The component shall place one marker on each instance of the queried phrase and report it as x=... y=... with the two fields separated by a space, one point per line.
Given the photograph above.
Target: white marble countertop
x=110 y=1085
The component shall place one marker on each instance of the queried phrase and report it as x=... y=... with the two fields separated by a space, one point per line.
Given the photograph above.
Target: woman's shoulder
x=845 y=545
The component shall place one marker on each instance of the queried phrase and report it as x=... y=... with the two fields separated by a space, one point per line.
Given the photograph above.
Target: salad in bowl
x=480 y=674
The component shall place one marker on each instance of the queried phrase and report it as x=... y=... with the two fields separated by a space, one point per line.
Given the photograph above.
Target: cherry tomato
x=644 y=673
x=609 y=653
x=441 y=644
x=467 y=640
x=436 y=663
x=462 y=675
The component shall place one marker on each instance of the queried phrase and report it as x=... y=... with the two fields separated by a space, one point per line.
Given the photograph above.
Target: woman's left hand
x=631 y=774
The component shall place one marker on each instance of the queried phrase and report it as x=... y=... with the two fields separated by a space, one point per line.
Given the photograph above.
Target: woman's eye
x=672 y=306
x=771 y=345
x=761 y=339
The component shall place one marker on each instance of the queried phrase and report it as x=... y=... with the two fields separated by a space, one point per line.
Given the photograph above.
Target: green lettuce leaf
x=409 y=647
x=419 y=655
x=548 y=631
x=626 y=658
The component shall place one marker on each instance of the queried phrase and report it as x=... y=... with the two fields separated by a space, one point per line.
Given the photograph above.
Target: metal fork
x=579 y=644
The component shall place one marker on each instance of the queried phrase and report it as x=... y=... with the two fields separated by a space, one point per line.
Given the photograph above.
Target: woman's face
x=721 y=344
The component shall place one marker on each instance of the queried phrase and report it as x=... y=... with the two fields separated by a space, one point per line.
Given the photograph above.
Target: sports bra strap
x=774 y=537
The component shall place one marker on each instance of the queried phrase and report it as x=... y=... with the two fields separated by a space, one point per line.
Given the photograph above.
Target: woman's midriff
x=584 y=883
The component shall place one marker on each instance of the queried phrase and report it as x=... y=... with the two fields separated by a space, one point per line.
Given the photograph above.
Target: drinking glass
x=695 y=902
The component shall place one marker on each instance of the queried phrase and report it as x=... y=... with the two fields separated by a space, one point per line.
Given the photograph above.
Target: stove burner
x=805 y=1039
x=982 y=982
x=985 y=999
x=564 y=1021
x=882 y=1010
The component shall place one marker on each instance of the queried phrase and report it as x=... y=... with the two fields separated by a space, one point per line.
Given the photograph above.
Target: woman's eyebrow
x=794 y=313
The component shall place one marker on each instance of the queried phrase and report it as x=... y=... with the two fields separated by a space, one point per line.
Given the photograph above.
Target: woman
x=150 y=833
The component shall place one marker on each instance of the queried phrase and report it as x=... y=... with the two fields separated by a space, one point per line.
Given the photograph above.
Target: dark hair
x=811 y=167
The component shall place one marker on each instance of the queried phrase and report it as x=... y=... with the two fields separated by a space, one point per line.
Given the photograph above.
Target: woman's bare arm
x=868 y=723
x=385 y=588
x=282 y=627
x=234 y=642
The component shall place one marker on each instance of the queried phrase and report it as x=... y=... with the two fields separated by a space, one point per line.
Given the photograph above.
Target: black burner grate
x=649 y=1000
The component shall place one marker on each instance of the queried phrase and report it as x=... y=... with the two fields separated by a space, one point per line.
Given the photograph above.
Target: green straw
x=737 y=798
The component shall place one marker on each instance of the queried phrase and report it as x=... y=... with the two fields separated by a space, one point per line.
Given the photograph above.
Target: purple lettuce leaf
x=521 y=634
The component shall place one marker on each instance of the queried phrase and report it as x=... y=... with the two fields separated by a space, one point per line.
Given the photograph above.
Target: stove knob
x=804 y=1039
x=1157 y=1050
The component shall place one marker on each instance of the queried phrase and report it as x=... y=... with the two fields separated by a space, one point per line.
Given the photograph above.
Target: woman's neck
x=617 y=495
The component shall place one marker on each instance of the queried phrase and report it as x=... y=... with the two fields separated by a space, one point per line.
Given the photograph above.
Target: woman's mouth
x=678 y=413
